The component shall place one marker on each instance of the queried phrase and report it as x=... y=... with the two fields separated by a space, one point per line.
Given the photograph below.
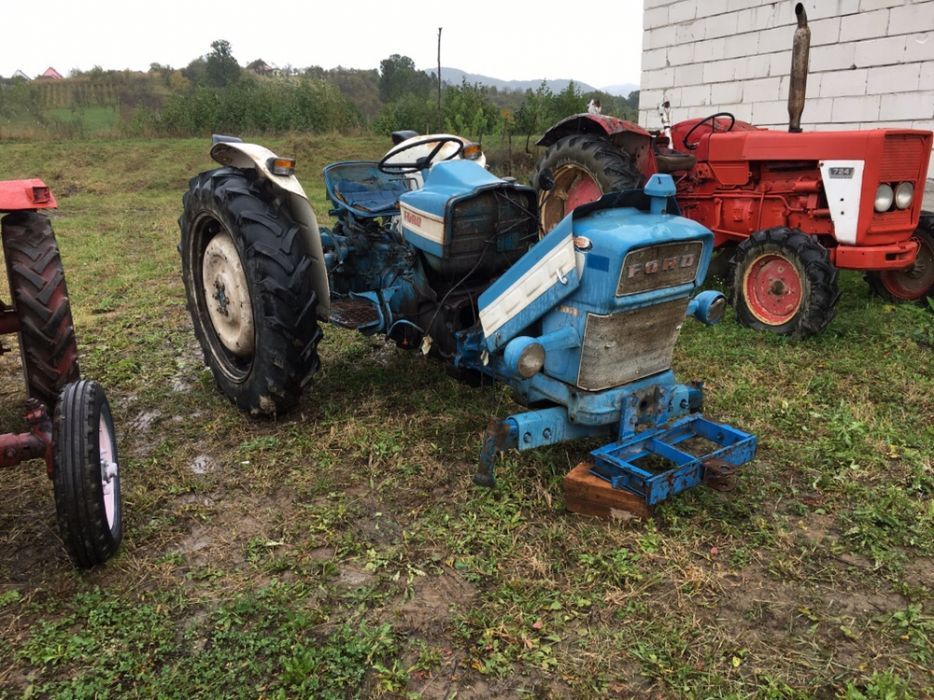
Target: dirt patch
x=920 y=572
x=353 y=576
x=432 y=603
x=376 y=526
x=203 y=464
x=223 y=538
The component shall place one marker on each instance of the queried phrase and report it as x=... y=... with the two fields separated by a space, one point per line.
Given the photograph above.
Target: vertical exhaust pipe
x=798 y=84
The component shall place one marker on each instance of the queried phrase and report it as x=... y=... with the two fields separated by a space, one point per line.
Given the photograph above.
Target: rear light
x=884 y=197
x=904 y=194
x=281 y=166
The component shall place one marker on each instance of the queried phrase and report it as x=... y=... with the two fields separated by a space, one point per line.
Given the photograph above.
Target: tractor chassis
x=37 y=443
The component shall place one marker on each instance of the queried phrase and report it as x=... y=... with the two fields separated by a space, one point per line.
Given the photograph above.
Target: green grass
x=343 y=550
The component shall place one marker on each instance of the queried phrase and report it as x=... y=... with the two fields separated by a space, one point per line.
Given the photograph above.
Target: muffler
x=798 y=84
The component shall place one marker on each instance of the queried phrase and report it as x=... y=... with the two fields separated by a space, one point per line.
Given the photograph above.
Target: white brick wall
x=871 y=62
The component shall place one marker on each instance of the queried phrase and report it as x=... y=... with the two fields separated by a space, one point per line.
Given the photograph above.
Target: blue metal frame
x=617 y=462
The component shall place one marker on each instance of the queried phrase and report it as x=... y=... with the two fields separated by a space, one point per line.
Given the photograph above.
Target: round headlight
x=884 y=197
x=715 y=310
x=531 y=360
x=904 y=193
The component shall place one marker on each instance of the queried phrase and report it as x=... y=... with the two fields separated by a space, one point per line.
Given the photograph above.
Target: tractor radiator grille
x=626 y=346
x=659 y=267
x=901 y=158
x=498 y=224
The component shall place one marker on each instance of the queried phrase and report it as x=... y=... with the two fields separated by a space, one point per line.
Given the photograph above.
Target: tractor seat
x=672 y=161
x=361 y=187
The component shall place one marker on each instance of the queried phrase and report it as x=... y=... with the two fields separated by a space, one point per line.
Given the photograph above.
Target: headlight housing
x=904 y=194
x=884 y=198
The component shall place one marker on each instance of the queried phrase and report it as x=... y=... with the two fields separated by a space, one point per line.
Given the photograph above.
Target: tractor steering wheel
x=392 y=167
x=712 y=119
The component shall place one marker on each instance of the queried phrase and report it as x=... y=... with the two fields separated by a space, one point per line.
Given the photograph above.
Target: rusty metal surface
x=797 y=87
x=720 y=475
x=658 y=267
x=17 y=448
x=353 y=313
x=9 y=320
x=498 y=438
x=623 y=347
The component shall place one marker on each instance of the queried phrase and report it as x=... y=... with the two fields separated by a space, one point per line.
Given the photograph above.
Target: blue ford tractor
x=437 y=254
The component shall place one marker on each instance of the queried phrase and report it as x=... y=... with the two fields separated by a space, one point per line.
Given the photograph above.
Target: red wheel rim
x=573 y=187
x=773 y=289
x=913 y=282
x=582 y=191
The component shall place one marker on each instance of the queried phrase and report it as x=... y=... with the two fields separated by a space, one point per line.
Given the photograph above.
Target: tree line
x=214 y=93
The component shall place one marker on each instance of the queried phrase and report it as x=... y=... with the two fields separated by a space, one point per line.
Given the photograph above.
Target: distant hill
x=623 y=89
x=454 y=76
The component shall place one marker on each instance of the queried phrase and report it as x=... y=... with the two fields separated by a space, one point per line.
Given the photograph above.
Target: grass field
x=343 y=550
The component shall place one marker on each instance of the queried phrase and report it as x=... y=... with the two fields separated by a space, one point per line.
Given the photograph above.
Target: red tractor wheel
x=37 y=285
x=783 y=282
x=579 y=169
x=915 y=283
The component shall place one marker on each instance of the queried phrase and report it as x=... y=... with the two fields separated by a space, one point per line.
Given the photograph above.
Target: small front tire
x=783 y=282
x=915 y=283
x=86 y=479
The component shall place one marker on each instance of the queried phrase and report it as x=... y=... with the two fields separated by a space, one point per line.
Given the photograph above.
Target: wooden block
x=587 y=494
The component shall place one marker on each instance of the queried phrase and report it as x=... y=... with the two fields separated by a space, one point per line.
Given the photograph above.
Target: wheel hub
x=227 y=296
x=109 y=470
x=222 y=301
x=773 y=289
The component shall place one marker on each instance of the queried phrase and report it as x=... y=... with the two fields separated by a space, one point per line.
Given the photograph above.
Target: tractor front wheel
x=87 y=478
x=783 y=282
x=579 y=169
x=915 y=283
x=249 y=289
x=37 y=285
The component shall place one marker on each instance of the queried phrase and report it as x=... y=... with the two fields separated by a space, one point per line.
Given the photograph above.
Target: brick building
x=871 y=62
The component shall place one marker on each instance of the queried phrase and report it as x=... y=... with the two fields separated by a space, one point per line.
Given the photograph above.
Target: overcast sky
x=599 y=45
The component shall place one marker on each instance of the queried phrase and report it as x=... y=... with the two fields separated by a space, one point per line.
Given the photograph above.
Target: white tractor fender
x=247 y=156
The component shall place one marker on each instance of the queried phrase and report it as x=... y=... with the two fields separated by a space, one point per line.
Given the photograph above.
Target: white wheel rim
x=227 y=296
x=108 y=470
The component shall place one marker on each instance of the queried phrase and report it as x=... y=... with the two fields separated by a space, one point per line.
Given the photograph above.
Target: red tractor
x=791 y=207
x=77 y=442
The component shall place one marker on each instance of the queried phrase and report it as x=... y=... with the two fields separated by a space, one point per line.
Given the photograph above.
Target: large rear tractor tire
x=37 y=284
x=579 y=169
x=86 y=480
x=783 y=282
x=915 y=283
x=249 y=291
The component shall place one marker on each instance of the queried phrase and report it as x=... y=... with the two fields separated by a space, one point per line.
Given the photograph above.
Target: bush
x=255 y=106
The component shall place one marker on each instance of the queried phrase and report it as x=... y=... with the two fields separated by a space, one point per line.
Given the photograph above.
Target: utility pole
x=439 y=80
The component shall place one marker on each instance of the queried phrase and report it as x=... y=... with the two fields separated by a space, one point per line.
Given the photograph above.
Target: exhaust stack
x=799 y=70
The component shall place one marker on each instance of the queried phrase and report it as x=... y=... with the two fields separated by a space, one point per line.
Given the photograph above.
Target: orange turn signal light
x=471 y=151
x=281 y=166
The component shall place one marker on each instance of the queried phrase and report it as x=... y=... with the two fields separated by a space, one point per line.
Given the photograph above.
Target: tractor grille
x=659 y=267
x=626 y=346
x=901 y=157
x=506 y=214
